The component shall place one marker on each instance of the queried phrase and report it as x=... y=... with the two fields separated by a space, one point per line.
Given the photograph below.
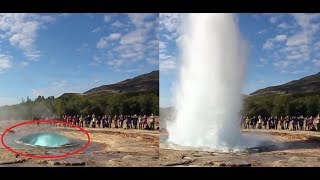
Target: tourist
x=301 y=119
x=140 y=121
x=94 y=120
x=276 y=122
x=99 y=121
x=152 y=118
x=265 y=122
x=103 y=121
x=294 y=123
x=310 y=125
x=129 y=121
x=247 y=121
x=115 y=119
x=109 y=121
x=81 y=121
x=318 y=122
x=135 y=121
x=282 y=123
x=145 y=121
x=287 y=121
x=259 y=122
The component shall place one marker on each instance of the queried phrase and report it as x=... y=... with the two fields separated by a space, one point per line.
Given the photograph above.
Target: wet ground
x=108 y=147
x=289 y=149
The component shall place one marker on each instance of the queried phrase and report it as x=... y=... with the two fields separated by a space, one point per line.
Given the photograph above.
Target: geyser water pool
x=46 y=139
x=208 y=97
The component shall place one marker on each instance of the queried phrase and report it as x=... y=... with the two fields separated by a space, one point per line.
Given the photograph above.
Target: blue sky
x=50 y=54
x=282 y=47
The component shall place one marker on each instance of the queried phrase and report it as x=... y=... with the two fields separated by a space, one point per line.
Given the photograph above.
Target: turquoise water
x=45 y=140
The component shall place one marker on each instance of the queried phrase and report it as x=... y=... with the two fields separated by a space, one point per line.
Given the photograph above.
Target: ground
x=299 y=149
x=108 y=147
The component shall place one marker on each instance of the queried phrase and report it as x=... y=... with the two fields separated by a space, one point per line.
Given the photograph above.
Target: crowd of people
x=106 y=121
x=282 y=123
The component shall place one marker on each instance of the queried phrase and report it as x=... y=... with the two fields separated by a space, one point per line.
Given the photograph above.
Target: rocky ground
x=108 y=147
x=298 y=149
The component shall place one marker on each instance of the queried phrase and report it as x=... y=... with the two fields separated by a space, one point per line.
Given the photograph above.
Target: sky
x=282 y=48
x=52 y=54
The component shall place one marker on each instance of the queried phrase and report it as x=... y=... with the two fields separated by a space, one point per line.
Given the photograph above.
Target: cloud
x=136 y=36
x=107 y=18
x=268 y=45
x=24 y=63
x=316 y=62
x=114 y=36
x=117 y=24
x=138 y=19
x=281 y=37
x=21 y=30
x=102 y=43
x=301 y=38
x=153 y=61
x=167 y=64
x=316 y=46
x=282 y=64
x=98 y=29
x=5 y=62
x=262 y=62
x=283 y=25
x=273 y=19
x=170 y=21
x=135 y=69
x=263 y=31
x=138 y=42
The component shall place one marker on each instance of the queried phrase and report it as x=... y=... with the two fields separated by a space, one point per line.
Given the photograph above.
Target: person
x=94 y=120
x=276 y=122
x=88 y=121
x=145 y=121
x=265 y=122
x=287 y=121
x=318 y=122
x=121 y=119
x=81 y=121
x=74 y=120
x=152 y=121
x=310 y=125
x=253 y=122
x=99 y=121
x=135 y=120
x=109 y=121
x=104 y=121
x=259 y=122
x=140 y=121
x=247 y=121
x=294 y=123
x=282 y=123
x=115 y=119
x=301 y=119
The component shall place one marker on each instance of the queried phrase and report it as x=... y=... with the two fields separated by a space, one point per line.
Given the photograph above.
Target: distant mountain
x=144 y=82
x=308 y=84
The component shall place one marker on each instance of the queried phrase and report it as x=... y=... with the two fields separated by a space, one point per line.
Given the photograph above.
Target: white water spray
x=208 y=99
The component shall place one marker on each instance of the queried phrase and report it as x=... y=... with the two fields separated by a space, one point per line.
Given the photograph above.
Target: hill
x=308 y=84
x=144 y=82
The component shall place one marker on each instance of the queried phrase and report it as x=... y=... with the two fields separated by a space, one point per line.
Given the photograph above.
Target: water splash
x=208 y=99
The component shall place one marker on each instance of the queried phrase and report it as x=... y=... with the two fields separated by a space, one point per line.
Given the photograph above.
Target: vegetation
x=121 y=103
x=307 y=104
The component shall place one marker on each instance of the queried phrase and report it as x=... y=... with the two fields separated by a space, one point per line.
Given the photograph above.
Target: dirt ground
x=108 y=147
x=298 y=149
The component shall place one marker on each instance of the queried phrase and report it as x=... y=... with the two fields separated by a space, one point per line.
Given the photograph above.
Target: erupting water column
x=208 y=99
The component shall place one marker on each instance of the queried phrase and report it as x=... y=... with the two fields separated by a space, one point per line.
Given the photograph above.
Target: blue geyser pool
x=47 y=139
